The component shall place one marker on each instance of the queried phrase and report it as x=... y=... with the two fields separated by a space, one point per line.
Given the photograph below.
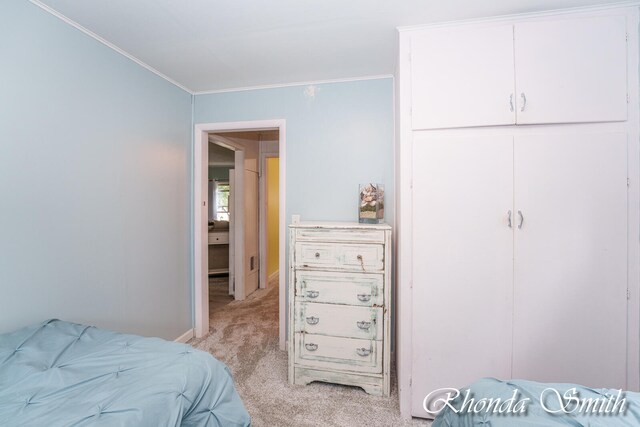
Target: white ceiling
x=220 y=156
x=214 y=44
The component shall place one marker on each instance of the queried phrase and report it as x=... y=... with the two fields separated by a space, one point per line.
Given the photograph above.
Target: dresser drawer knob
x=363 y=325
x=317 y=254
x=364 y=352
x=364 y=297
x=312 y=294
x=311 y=347
x=313 y=320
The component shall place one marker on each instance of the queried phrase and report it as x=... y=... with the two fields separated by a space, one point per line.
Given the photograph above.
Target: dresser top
x=340 y=224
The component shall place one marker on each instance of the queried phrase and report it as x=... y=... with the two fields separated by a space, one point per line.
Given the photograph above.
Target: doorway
x=244 y=160
x=221 y=173
x=244 y=225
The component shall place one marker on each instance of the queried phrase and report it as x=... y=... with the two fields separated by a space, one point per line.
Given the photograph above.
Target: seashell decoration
x=371 y=207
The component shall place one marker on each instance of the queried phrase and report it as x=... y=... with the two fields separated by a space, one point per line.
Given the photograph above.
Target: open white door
x=251 y=230
x=232 y=179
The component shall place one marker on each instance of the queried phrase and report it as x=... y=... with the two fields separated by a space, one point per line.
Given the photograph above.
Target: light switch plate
x=295 y=219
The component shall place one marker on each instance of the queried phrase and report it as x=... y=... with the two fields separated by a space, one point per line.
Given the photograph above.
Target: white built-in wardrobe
x=518 y=202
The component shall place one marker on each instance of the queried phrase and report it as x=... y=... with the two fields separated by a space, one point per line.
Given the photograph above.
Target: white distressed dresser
x=339 y=304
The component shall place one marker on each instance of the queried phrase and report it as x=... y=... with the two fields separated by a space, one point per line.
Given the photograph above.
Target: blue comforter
x=64 y=374
x=541 y=405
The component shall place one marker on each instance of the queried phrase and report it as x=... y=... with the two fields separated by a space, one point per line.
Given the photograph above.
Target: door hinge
x=627 y=98
x=626 y=37
x=410 y=381
x=410 y=284
x=628 y=183
x=204 y=203
x=628 y=294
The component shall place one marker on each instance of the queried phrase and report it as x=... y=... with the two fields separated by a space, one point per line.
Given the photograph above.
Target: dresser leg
x=374 y=390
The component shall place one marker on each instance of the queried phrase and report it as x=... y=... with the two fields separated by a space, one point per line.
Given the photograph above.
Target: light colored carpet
x=218 y=292
x=244 y=335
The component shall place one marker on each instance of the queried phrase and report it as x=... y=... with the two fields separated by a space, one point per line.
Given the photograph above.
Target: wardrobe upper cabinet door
x=572 y=70
x=462 y=76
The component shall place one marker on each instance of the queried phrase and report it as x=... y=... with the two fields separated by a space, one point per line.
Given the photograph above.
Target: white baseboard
x=273 y=276
x=186 y=336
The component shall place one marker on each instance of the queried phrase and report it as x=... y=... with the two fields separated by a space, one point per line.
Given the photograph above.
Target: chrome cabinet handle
x=311 y=346
x=511 y=103
x=313 y=320
x=312 y=294
x=521 y=219
x=364 y=325
x=509 y=219
x=364 y=352
x=364 y=297
x=524 y=101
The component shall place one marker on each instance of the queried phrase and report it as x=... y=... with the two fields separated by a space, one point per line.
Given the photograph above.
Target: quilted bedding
x=65 y=374
x=532 y=404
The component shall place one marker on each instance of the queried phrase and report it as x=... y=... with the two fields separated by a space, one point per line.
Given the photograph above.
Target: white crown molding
x=122 y=52
x=498 y=18
x=107 y=43
x=281 y=85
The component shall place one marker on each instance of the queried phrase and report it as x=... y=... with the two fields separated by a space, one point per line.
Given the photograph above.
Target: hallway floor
x=218 y=293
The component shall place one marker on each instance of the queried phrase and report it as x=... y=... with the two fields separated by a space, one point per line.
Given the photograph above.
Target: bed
x=547 y=405
x=65 y=374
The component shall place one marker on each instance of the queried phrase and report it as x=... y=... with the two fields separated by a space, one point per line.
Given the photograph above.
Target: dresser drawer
x=351 y=256
x=347 y=354
x=219 y=238
x=340 y=235
x=339 y=320
x=359 y=289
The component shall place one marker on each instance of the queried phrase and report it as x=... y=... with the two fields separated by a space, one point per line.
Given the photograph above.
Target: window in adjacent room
x=222 y=201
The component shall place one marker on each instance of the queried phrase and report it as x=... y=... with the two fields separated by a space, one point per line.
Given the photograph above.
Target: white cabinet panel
x=571 y=70
x=462 y=77
x=570 y=301
x=462 y=261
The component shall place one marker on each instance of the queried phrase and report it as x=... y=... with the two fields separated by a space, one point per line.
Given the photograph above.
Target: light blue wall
x=335 y=140
x=94 y=183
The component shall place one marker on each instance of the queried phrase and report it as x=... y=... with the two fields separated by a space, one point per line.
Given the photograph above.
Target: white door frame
x=263 y=199
x=200 y=243
x=232 y=233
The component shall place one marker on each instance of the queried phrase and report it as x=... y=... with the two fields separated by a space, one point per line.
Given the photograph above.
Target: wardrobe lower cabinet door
x=570 y=291
x=463 y=262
